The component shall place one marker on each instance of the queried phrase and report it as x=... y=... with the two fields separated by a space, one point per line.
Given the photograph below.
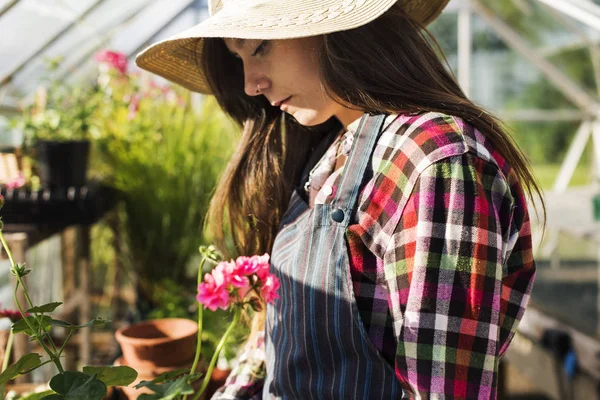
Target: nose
x=255 y=81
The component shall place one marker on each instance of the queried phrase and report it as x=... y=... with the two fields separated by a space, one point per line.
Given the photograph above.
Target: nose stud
x=257 y=88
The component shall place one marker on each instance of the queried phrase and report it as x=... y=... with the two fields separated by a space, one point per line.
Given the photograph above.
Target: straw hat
x=175 y=58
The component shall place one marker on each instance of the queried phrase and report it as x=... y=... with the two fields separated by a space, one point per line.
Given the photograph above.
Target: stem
x=6 y=248
x=213 y=361
x=199 y=341
x=35 y=334
x=199 y=335
x=7 y=351
x=71 y=331
x=20 y=282
x=13 y=264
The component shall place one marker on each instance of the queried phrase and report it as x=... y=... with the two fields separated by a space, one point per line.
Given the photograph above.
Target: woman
x=392 y=206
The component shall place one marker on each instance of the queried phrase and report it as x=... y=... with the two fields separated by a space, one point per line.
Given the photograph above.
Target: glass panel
x=3 y=3
x=79 y=42
x=160 y=17
x=27 y=26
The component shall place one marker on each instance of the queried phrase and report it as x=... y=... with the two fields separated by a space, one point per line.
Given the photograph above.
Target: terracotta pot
x=160 y=343
x=217 y=379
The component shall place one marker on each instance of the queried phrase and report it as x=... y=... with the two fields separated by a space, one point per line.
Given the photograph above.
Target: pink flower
x=213 y=293
x=14 y=315
x=134 y=106
x=254 y=264
x=16 y=183
x=230 y=282
x=235 y=275
x=115 y=59
x=268 y=290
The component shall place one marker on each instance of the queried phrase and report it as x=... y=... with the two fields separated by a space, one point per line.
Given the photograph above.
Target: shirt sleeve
x=451 y=293
x=246 y=380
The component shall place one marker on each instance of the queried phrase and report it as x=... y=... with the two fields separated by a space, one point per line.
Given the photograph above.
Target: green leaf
x=19 y=270
x=64 y=324
x=166 y=376
x=61 y=323
x=74 y=385
x=38 y=395
x=113 y=376
x=23 y=326
x=25 y=363
x=168 y=390
x=46 y=308
x=95 y=322
x=194 y=377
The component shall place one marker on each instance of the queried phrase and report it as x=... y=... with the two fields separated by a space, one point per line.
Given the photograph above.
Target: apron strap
x=366 y=137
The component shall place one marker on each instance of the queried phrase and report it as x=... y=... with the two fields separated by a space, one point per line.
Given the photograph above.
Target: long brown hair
x=389 y=65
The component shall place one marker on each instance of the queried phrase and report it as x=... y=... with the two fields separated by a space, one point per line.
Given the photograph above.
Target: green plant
x=237 y=286
x=163 y=151
x=60 y=111
x=90 y=383
x=174 y=300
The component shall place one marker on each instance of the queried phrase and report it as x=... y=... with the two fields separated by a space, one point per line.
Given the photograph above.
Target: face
x=287 y=73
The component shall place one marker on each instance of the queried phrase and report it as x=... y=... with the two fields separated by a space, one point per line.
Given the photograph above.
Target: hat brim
x=176 y=58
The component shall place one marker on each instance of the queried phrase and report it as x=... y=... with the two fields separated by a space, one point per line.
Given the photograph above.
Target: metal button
x=337 y=215
x=328 y=190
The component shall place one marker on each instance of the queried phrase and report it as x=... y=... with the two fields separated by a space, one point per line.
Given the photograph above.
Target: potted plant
x=163 y=151
x=239 y=286
x=57 y=128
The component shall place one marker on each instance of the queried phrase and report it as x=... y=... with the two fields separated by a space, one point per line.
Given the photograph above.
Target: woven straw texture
x=176 y=58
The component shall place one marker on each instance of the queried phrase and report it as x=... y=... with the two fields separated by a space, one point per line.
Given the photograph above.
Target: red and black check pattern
x=441 y=259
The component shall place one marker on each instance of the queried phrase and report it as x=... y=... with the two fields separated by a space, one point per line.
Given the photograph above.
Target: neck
x=348 y=116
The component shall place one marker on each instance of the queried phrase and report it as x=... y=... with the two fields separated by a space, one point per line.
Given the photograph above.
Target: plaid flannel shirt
x=440 y=257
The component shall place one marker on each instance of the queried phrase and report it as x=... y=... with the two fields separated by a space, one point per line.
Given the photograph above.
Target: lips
x=278 y=103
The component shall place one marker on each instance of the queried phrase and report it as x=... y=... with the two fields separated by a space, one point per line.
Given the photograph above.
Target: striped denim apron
x=316 y=344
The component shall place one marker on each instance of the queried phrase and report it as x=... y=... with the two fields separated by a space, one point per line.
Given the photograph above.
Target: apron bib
x=316 y=344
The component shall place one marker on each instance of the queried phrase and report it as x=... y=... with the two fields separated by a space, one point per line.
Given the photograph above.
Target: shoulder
x=415 y=142
x=440 y=147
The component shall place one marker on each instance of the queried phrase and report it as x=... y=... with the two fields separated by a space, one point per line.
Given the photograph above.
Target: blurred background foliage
x=163 y=149
x=164 y=153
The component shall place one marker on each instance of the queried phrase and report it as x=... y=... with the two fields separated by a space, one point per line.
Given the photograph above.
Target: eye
x=260 y=49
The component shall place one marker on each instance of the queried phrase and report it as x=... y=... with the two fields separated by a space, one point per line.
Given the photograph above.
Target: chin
x=308 y=118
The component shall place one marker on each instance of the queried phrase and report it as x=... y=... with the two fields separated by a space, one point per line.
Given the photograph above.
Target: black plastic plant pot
x=62 y=164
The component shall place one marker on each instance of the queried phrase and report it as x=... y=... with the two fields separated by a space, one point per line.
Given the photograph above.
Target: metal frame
x=102 y=42
x=7 y=7
x=8 y=77
x=588 y=104
x=184 y=8
x=582 y=10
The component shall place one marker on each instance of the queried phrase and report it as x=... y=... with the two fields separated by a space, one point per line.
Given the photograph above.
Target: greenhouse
x=147 y=226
